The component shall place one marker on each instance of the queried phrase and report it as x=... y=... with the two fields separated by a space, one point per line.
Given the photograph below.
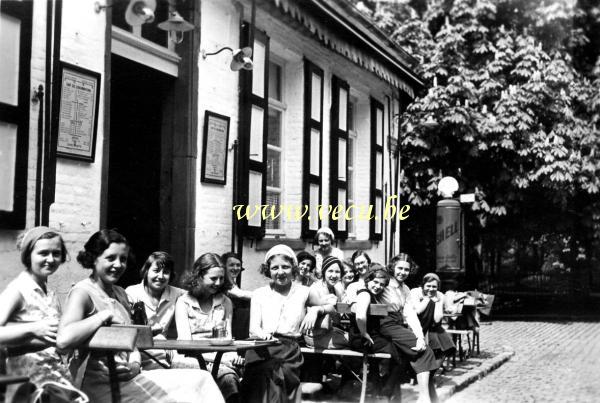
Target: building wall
x=76 y=210
x=219 y=93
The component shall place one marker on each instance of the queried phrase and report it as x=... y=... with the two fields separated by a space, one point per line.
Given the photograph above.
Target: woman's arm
x=182 y=322
x=361 y=307
x=74 y=327
x=15 y=334
x=438 y=313
x=412 y=320
x=256 y=329
x=419 y=300
x=228 y=314
x=239 y=293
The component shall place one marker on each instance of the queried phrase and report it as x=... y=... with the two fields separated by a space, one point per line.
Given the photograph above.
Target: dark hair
x=163 y=261
x=304 y=255
x=201 y=266
x=265 y=268
x=347 y=265
x=377 y=271
x=431 y=277
x=227 y=255
x=97 y=244
x=358 y=253
x=402 y=257
x=28 y=249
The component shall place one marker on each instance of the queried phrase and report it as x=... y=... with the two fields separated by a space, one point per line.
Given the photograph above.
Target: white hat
x=326 y=230
x=281 y=249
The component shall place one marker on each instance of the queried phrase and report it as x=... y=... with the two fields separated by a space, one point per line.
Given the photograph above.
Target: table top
x=205 y=346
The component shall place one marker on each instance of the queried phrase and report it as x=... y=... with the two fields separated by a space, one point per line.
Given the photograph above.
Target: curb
x=462 y=382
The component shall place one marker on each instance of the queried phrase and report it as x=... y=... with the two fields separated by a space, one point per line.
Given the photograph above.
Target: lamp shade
x=176 y=23
x=139 y=12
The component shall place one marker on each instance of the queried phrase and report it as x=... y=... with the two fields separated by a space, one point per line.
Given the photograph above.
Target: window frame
x=19 y=115
x=376 y=223
x=280 y=106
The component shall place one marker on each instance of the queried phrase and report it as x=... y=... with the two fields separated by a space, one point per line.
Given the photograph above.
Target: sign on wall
x=78 y=112
x=214 y=148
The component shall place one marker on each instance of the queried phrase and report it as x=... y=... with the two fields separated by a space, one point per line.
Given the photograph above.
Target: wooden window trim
x=374 y=191
x=337 y=134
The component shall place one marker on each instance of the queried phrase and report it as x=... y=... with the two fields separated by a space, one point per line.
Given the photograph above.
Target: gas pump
x=450 y=253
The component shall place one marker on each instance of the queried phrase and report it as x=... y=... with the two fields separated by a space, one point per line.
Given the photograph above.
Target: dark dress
x=390 y=335
x=439 y=341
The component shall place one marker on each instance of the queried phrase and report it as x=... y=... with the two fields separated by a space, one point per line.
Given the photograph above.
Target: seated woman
x=278 y=310
x=306 y=268
x=239 y=298
x=324 y=239
x=429 y=305
x=361 y=262
x=158 y=297
x=205 y=306
x=348 y=274
x=327 y=332
x=97 y=301
x=389 y=334
x=33 y=310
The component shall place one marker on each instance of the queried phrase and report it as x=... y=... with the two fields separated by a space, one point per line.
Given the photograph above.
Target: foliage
x=514 y=115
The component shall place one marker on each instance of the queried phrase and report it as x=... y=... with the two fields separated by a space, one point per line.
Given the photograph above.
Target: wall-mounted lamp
x=99 y=7
x=242 y=58
x=140 y=12
x=176 y=26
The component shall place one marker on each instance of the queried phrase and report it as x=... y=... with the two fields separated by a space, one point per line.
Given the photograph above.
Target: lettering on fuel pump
x=447 y=232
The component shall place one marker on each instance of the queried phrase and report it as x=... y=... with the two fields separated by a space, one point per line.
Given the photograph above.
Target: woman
x=361 y=261
x=327 y=332
x=240 y=298
x=429 y=305
x=278 y=310
x=324 y=239
x=33 y=310
x=389 y=334
x=158 y=298
x=306 y=268
x=348 y=274
x=97 y=301
x=205 y=306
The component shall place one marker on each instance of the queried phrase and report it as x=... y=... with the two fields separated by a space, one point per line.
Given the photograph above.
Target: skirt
x=272 y=374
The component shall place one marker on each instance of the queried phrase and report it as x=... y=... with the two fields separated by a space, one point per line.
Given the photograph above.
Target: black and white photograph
x=284 y=201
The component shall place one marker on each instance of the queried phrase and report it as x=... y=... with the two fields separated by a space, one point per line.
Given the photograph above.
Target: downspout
x=52 y=139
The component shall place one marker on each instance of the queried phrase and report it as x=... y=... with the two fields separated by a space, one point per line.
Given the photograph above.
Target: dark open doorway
x=134 y=175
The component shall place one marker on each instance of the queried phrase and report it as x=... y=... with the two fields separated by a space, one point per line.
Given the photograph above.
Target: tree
x=512 y=111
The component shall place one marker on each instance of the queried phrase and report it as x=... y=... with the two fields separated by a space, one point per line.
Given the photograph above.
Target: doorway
x=135 y=204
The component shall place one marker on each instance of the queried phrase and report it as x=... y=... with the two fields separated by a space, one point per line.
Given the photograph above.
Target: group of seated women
x=298 y=299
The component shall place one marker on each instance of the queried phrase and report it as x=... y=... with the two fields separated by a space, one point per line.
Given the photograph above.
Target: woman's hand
x=367 y=341
x=45 y=330
x=106 y=317
x=128 y=371
x=420 y=346
x=308 y=323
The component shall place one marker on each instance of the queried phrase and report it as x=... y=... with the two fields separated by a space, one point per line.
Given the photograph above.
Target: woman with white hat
x=324 y=239
x=278 y=310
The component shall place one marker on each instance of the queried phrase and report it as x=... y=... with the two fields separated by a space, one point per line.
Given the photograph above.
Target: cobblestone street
x=553 y=362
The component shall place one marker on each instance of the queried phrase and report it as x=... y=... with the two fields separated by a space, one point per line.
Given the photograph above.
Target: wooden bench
x=374 y=309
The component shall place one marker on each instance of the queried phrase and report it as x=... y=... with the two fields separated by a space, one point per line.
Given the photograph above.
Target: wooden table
x=195 y=348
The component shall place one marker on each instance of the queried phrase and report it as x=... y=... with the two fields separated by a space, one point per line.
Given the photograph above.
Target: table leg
x=115 y=390
x=216 y=363
x=201 y=361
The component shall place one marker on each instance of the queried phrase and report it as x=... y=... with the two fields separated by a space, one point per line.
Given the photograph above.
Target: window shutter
x=377 y=123
x=253 y=134
x=313 y=141
x=338 y=189
x=15 y=38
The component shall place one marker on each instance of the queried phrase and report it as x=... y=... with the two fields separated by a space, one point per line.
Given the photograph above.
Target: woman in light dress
x=98 y=301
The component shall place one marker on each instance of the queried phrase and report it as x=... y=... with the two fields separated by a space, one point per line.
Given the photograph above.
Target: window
x=376 y=191
x=15 y=41
x=313 y=139
x=274 y=145
x=351 y=161
x=149 y=31
x=255 y=119
x=338 y=190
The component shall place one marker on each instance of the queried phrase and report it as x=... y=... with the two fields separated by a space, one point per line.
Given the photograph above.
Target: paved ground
x=536 y=361
x=553 y=362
